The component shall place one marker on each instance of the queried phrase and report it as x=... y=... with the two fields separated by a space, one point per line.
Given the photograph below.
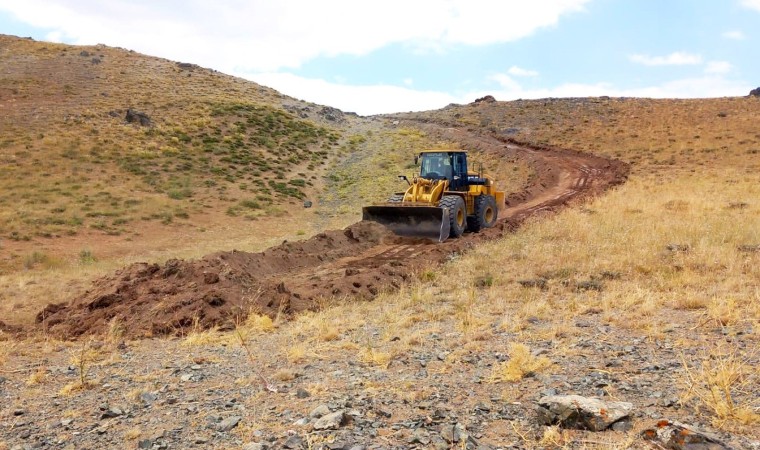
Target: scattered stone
x=148 y=397
x=682 y=248
x=84 y=54
x=319 y=411
x=110 y=413
x=622 y=426
x=749 y=248
x=330 y=421
x=294 y=441
x=187 y=66
x=302 y=393
x=307 y=204
x=533 y=283
x=255 y=446
x=679 y=436
x=331 y=114
x=420 y=436
x=229 y=423
x=589 y=285
x=145 y=444
x=574 y=411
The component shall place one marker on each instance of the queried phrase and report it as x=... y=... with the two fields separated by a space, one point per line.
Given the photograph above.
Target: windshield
x=435 y=166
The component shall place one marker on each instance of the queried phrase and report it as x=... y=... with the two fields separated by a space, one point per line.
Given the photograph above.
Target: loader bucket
x=417 y=221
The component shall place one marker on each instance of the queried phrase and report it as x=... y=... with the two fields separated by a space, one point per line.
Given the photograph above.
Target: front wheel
x=457 y=214
x=486 y=213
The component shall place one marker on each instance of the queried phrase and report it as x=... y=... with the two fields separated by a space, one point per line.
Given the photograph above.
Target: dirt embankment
x=360 y=261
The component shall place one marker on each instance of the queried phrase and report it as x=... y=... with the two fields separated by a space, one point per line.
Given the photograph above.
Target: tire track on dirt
x=358 y=262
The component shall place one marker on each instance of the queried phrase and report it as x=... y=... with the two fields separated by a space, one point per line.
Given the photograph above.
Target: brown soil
x=360 y=261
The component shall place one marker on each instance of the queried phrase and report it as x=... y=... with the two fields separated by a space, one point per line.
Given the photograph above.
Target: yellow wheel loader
x=442 y=201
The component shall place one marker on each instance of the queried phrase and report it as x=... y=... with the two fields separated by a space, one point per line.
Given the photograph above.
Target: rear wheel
x=457 y=214
x=396 y=198
x=485 y=213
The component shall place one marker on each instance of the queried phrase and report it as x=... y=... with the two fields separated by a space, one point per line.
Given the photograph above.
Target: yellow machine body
x=430 y=207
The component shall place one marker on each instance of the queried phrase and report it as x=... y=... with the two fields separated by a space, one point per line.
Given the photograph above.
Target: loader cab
x=445 y=165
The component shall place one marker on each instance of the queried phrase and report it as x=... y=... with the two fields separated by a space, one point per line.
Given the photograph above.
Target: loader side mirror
x=404 y=178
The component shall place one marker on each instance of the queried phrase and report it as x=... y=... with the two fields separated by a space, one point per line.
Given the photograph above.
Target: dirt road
x=360 y=261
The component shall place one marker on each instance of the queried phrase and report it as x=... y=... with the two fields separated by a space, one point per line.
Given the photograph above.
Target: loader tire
x=457 y=214
x=486 y=213
x=396 y=198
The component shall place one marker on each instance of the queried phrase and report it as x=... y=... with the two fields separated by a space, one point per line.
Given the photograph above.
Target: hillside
x=624 y=268
x=202 y=147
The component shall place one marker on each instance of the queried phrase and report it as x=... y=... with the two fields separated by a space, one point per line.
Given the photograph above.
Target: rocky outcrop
x=138 y=118
x=486 y=99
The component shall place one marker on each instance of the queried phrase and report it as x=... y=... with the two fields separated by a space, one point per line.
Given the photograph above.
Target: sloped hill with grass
x=105 y=141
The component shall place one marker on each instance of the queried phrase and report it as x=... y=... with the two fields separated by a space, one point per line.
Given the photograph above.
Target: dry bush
x=376 y=357
x=521 y=363
x=259 y=323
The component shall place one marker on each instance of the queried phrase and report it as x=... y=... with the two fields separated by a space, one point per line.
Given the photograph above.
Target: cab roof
x=443 y=150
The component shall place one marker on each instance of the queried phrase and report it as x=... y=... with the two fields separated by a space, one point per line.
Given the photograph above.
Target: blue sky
x=375 y=57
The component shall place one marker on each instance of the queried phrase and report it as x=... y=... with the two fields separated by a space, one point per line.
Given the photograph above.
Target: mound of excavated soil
x=151 y=299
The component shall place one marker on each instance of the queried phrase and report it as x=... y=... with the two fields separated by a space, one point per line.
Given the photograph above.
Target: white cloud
x=266 y=35
x=520 y=72
x=718 y=67
x=734 y=34
x=752 y=4
x=506 y=82
x=673 y=59
x=408 y=81
x=365 y=100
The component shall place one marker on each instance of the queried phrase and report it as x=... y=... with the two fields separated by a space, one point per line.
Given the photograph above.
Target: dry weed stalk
x=83 y=358
x=242 y=341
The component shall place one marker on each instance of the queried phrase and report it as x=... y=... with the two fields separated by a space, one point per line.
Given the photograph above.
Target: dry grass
x=722 y=378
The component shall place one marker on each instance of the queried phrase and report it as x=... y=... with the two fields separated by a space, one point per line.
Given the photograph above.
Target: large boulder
x=574 y=411
x=755 y=92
